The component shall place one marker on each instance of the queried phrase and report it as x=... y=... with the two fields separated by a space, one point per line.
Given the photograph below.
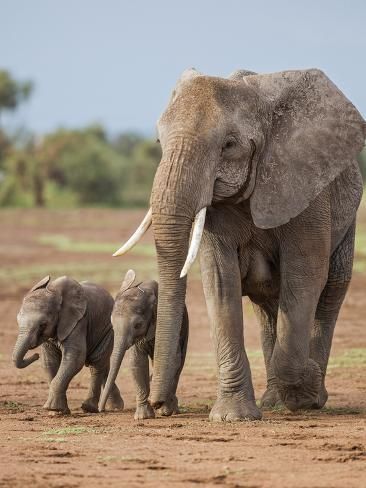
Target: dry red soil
x=307 y=449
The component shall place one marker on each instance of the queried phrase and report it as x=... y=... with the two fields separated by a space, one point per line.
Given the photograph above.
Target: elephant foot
x=234 y=409
x=306 y=393
x=57 y=413
x=90 y=405
x=144 y=411
x=57 y=404
x=115 y=400
x=115 y=403
x=271 y=398
x=322 y=398
x=169 y=408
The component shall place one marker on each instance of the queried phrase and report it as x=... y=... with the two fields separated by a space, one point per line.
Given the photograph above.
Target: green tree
x=141 y=168
x=12 y=92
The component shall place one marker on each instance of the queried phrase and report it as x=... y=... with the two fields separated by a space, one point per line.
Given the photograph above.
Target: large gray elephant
x=72 y=323
x=265 y=164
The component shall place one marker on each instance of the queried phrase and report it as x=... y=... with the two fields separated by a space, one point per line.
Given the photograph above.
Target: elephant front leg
x=222 y=287
x=139 y=362
x=50 y=359
x=73 y=359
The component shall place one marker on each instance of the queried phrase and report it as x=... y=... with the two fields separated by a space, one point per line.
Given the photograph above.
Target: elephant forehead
x=207 y=102
x=129 y=301
x=194 y=97
x=40 y=300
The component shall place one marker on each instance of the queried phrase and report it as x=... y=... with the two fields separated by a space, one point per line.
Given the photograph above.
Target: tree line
x=71 y=167
x=80 y=167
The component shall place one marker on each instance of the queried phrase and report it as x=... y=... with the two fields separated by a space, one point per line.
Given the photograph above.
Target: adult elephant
x=272 y=158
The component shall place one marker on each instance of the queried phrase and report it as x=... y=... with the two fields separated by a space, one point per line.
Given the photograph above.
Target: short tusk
x=140 y=231
x=199 y=224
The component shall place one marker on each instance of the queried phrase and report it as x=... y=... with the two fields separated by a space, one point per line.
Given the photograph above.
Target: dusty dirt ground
x=308 y=449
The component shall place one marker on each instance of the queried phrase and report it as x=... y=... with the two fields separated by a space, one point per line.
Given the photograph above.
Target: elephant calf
x=72 y=322
x=134 y=322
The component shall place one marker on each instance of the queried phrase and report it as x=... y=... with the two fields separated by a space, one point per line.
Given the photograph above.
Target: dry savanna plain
x=307 y=449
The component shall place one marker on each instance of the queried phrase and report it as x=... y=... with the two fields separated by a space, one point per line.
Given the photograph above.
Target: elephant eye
x=43 y=325
x=229 y=144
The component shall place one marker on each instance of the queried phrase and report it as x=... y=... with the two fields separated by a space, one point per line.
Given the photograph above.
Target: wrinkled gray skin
x=71 y=322
x=134 y=323
x=273 y=158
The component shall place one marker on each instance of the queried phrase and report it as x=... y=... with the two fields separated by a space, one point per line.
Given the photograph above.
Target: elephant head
x=276 y=140
x=49 y=310
x=133 y=318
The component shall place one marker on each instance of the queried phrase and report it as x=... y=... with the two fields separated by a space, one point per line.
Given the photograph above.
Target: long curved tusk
x=199 y=223
x=140 y=231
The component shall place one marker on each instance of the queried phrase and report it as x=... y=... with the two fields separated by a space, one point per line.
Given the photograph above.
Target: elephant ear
x=316 y=134
x=41 y=284
x=73 y=306
x=128 y=280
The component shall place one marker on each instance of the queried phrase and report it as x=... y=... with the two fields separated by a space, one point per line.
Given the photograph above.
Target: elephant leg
x=115 y=400
x=266 y=314
x=98 y=374
x=50 y=359
x=222 y=288
x=139 y=363
x=304 y=272
x=171 y=407
x=73 y=359
x=331 y=299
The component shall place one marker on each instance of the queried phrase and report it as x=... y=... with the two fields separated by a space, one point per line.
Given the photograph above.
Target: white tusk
x=199 y=224
x=140 y=231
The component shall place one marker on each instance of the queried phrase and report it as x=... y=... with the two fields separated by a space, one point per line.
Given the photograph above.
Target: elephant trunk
x=182 y=187
x=20 y=349
x=171 y=238
x=119 y=350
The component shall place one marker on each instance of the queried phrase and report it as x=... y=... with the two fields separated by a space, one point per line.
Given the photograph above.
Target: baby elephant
x=72 y=321
x=134 y=322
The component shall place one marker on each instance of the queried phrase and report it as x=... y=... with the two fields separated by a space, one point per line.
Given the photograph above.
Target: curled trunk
x=20 y=349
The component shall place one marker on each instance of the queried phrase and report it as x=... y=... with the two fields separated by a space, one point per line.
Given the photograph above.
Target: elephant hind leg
x=97 y=377
x=115 y=400
x=266 y=314
x=331 y=299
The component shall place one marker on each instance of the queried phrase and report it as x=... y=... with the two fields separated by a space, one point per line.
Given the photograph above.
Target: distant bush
x=79 y=167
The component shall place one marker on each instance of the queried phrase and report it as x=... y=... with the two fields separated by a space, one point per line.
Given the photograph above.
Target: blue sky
x=116 y=62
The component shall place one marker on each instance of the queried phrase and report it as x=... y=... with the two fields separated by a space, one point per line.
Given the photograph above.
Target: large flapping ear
x=128 y=280
x=316 y=134
x=73 y=306
x=41 y=284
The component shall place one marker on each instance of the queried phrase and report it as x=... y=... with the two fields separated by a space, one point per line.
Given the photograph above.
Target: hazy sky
x=116 y=62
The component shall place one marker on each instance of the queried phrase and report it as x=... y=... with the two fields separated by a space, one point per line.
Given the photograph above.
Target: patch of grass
x=98 y=272
x=359 y=263
x=68 y=431
x=53 y=439
x=14 y=406
x=64 y=243
x=351 y=358
x=342 y=411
